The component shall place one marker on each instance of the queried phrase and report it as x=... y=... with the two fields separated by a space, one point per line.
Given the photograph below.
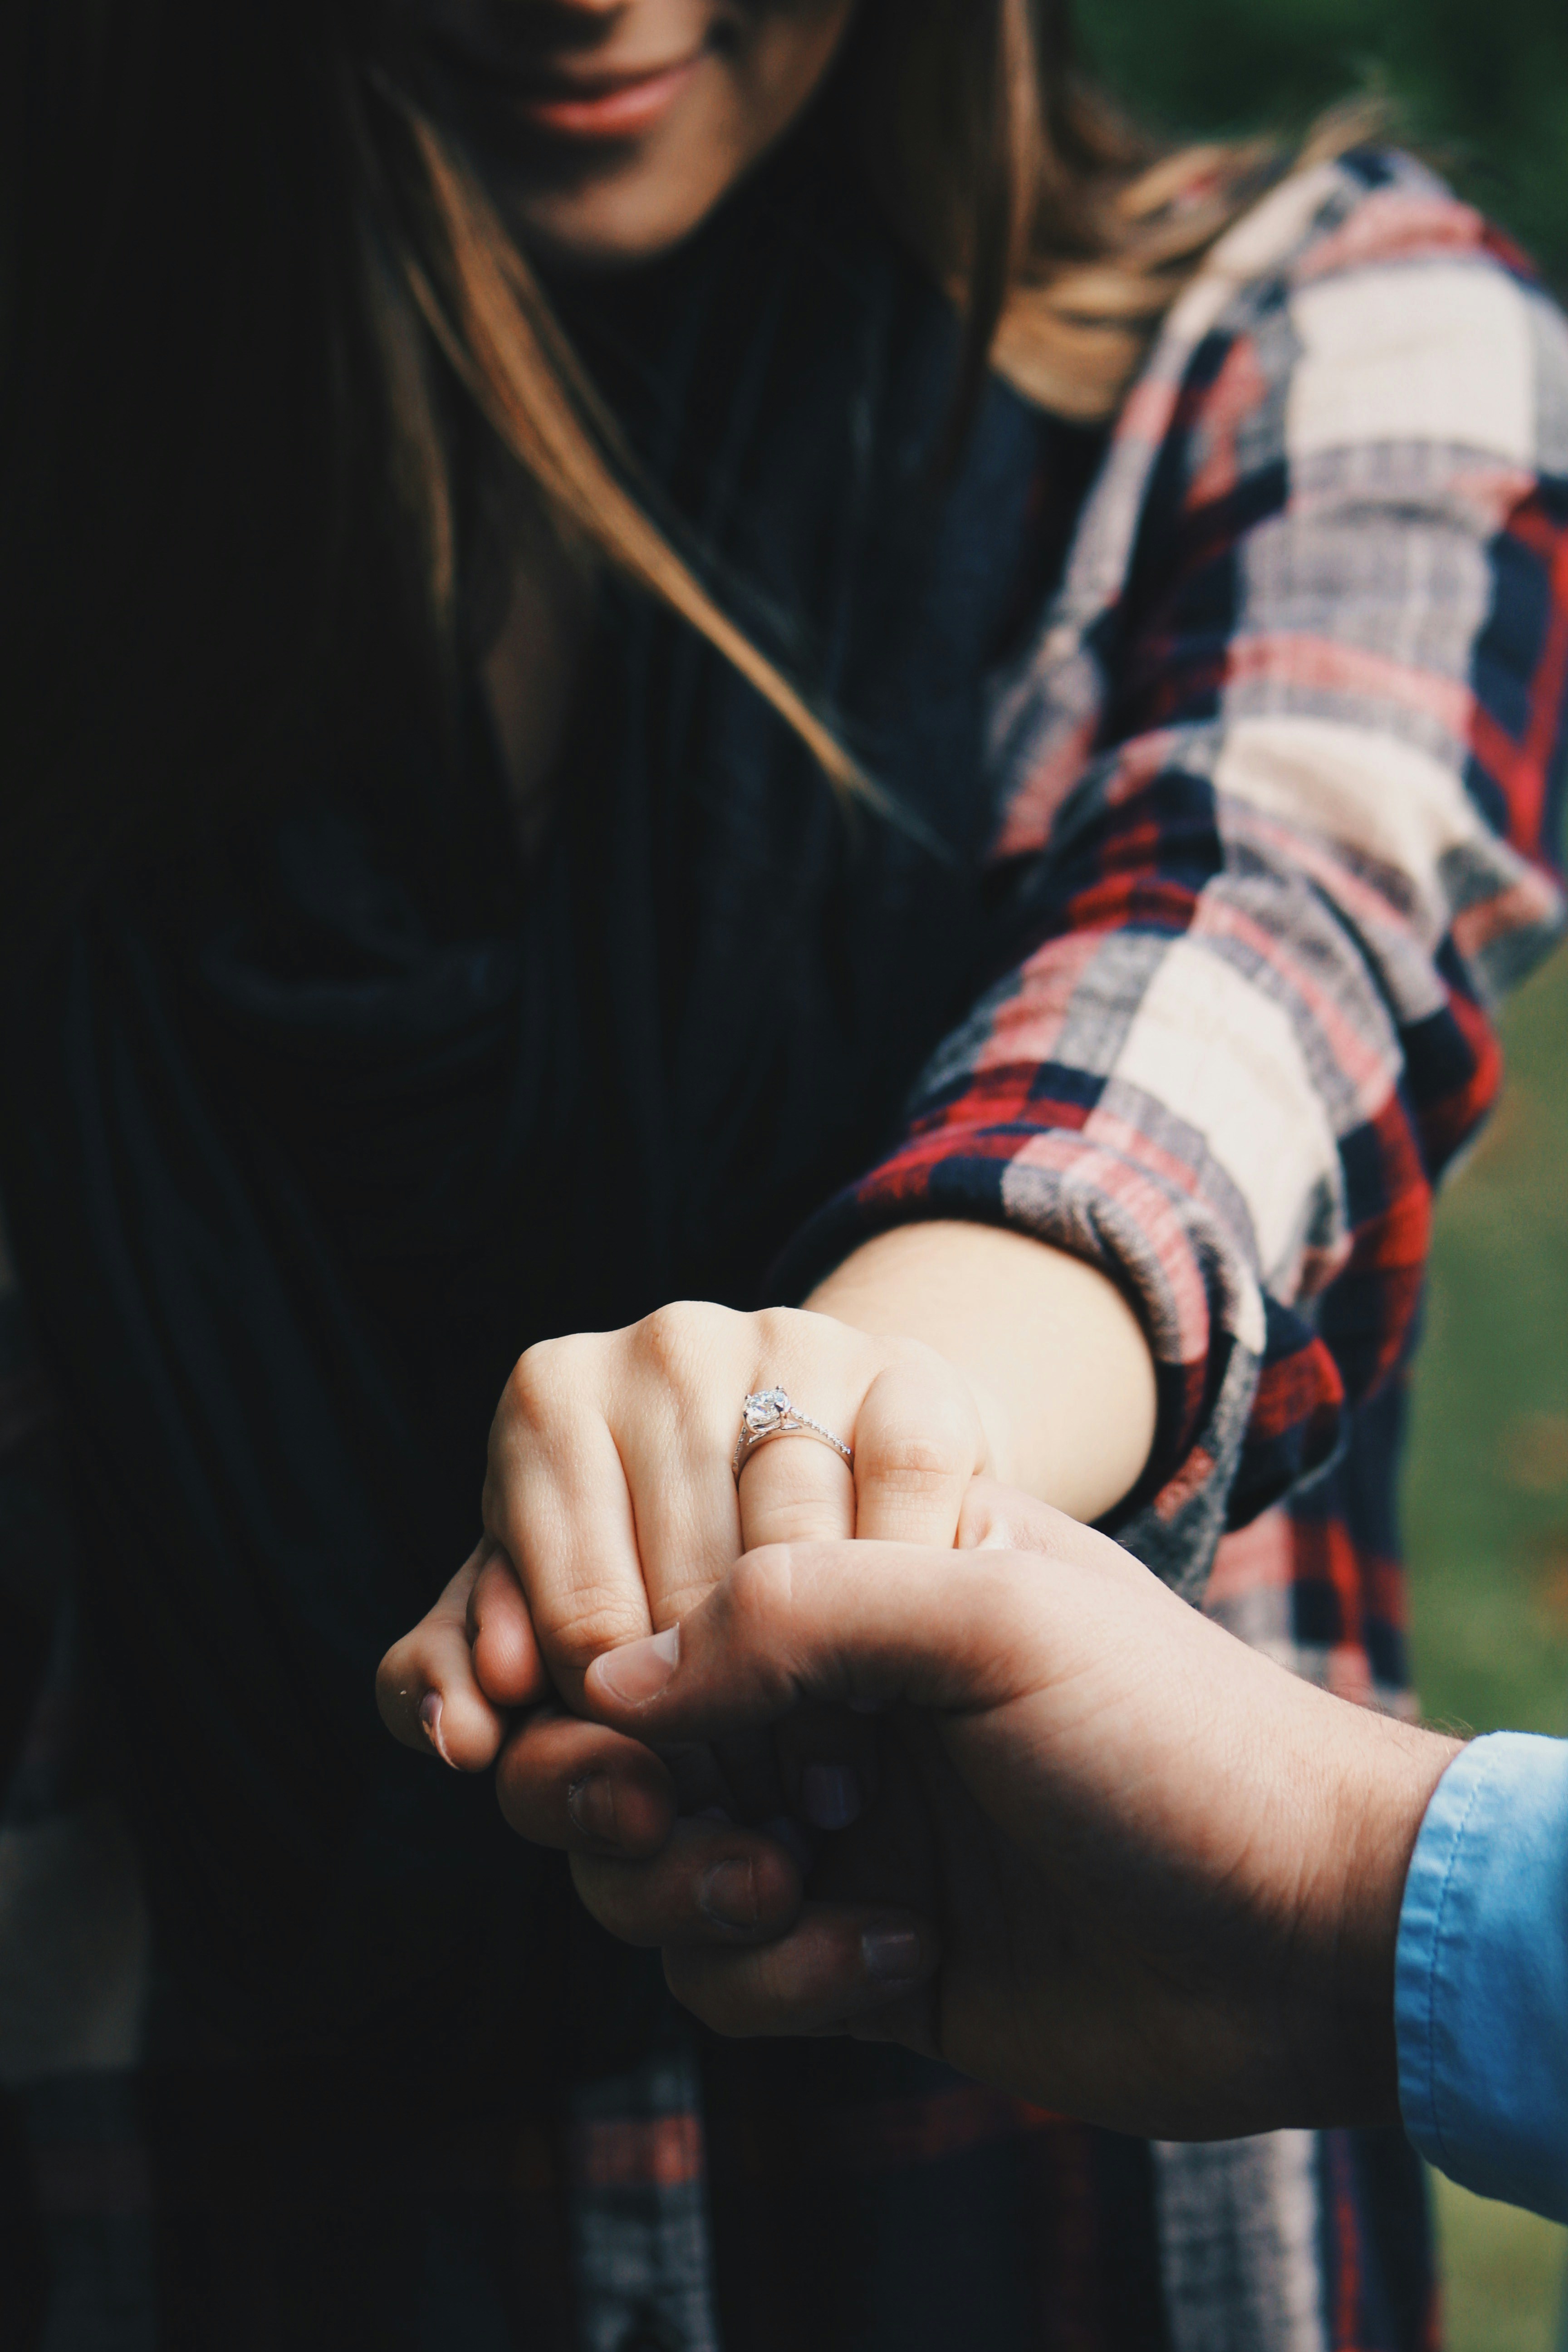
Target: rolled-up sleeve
x=1482 y=1975
x=1278 y=828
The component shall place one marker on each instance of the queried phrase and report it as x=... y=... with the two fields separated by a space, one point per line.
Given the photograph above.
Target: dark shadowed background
x=1480 y=86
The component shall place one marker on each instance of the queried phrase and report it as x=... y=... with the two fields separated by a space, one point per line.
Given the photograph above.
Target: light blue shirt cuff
x=1481 y=1976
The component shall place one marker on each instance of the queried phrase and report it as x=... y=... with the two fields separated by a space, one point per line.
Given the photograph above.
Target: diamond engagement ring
x=770 y=1414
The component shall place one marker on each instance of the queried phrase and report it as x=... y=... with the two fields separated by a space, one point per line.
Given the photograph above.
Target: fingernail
x=891 y=1954
x=729 y=1895
x=430 y=1716
x=792 y=1838
x=639 y=1670
x=830 y=1796
x=591 y=1808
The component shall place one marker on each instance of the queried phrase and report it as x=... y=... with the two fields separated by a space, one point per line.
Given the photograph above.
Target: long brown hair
x=253 y=289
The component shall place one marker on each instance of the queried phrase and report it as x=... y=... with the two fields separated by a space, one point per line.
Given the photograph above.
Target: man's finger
x=837 y=1970
x=866 y=1626
x=584 y=1790
x=710 y=1884
x=828 y=1764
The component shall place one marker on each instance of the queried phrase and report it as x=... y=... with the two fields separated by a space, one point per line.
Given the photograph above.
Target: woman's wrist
x=1060 y=1370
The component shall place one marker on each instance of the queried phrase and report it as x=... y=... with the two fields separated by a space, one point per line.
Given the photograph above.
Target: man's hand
x=1109 y=1858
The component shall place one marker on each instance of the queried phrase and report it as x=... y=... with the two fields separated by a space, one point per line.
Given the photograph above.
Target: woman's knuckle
x=525 y=1398
x=779 y=1330
x=661 y=1339
x=537 y=1414
x=579 y=1631
x=674 y=1338
x=903 y=1354
x=918 y=1460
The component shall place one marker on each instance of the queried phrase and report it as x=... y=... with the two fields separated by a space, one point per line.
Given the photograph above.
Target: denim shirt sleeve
x=1481 y=1981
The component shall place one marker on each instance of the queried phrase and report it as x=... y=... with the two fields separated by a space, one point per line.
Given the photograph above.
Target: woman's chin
x=605 y=219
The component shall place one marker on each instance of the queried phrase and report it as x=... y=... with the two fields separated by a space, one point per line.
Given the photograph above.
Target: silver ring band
x=769 y=1414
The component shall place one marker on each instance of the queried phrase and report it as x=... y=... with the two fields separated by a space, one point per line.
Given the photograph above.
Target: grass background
x=1482 y=90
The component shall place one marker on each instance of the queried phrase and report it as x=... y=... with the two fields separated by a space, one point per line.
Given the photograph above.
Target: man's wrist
x=1398 y=1766
x=1383 y=1783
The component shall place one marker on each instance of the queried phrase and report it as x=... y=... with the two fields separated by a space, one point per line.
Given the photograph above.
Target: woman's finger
x=507 y=1666
x=670 y=1404
x=919 y=1442
x=838 y=1969
x=557 y=1502
x=711 y=1883
x=608 y=1479
x=797 y=1490
x=681 y=1379
x=572 y=1785
x=425 y=1685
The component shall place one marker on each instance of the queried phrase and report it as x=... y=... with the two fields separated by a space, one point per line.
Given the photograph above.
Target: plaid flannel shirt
x=1279 y=812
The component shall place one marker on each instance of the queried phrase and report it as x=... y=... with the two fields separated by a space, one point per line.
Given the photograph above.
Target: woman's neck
x=531 y=664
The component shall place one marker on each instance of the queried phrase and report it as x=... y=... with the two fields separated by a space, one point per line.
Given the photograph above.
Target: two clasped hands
x=898 y=1751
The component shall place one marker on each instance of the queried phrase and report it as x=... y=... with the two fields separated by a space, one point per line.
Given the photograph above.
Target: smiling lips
x=603 y=106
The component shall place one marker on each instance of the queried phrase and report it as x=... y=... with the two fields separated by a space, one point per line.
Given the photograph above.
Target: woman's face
x=614 y=126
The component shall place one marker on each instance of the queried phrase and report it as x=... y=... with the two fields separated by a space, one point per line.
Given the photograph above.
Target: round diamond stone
x=765 y=1409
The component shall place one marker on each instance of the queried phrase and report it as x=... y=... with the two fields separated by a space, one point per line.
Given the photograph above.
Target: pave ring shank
x=769 y=1414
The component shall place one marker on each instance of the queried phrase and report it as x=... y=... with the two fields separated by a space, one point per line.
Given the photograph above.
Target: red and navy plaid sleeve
x=1279 y=821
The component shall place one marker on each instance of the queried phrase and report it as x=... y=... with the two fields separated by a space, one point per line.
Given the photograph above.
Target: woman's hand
x=935 y=1350
x=1115 y=1862
x=610 y=1487
x=611 y=1509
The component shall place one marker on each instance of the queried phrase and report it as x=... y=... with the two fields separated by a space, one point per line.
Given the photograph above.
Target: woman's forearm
x=1061 y=1371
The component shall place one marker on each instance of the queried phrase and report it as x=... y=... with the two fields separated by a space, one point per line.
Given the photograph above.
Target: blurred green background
x=1483 y=90
x=1480 y=84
